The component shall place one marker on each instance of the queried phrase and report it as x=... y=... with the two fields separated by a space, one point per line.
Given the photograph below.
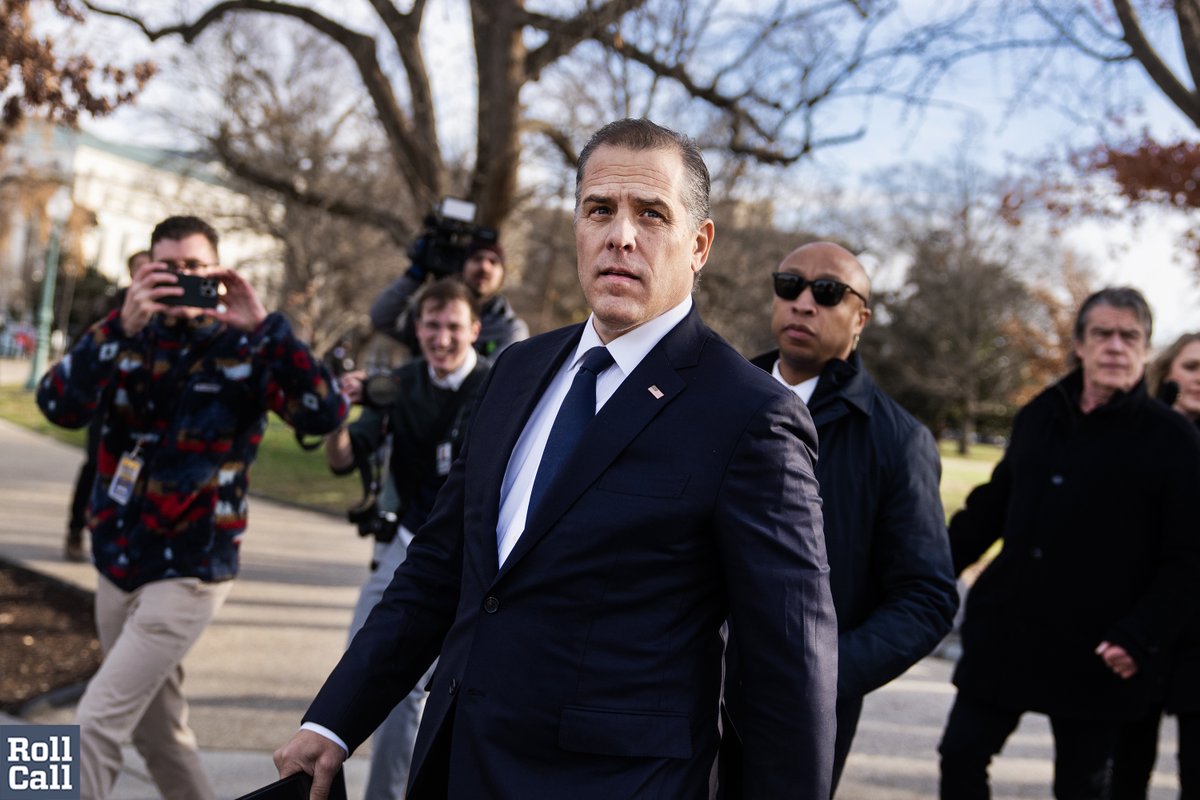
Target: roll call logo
x=40 y=761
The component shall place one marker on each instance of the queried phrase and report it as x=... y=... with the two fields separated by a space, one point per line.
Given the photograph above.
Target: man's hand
x=143 y=299
x=339 y=450
x=312 y=753
x=242 y=308
x=1117 y=659
x=352 y=385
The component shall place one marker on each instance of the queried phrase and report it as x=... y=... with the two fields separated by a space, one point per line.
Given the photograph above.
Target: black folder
x=296 y=787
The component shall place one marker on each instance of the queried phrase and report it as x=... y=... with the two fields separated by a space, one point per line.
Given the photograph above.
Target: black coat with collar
x=588 y=665
x=1098 y=516
x=1183 y=696
x=885 y=531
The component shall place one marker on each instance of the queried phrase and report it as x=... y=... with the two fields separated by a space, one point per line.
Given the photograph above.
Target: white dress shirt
x=454 y=380
x=627 y=351
x=804 y=389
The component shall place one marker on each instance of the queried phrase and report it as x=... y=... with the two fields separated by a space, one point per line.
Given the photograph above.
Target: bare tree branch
x=294 y=189
x=411 y=154
x=1149 y=58
x=405 y=30
x=558 y=138
x=1066 y=33
x=1188 y=14
x=566 y=34
x=676 y=72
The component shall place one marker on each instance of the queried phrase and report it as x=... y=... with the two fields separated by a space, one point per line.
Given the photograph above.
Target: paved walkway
x=253 y=673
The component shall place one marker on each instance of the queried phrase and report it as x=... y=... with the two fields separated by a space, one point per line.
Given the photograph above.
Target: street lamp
x=58 y=208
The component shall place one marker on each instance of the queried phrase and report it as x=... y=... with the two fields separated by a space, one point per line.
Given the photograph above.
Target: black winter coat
x=1098 y=513
x=1183 y=696
x=885 y=531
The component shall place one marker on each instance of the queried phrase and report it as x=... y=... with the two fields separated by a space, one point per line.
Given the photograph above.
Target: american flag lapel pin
x=654 y=390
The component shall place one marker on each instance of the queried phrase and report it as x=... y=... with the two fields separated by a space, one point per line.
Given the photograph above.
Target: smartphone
x=198 y=292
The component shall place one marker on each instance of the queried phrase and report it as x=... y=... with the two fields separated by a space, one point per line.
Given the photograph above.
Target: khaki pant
x=137 y=691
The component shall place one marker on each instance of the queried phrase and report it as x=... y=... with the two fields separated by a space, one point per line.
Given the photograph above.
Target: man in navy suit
x=577 y=600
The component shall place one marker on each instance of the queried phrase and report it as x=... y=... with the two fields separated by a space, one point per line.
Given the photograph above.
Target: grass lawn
x=18 y=406
x=283 y=471
x=961 y=474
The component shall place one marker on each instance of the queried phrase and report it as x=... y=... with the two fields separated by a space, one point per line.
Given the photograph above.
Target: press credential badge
x=121 y=487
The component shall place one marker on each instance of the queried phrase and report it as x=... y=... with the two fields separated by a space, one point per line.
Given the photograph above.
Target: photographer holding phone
x=189 y=388
x=179 y=284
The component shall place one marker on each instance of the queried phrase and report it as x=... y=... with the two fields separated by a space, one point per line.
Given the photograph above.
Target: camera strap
x=451 y=421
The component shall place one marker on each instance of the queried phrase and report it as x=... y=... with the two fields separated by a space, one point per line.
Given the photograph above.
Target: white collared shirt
x=627 y=351
x=454 y=380
x=804 y=389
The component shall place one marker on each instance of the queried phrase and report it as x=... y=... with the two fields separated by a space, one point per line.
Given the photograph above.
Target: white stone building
x=126 y=189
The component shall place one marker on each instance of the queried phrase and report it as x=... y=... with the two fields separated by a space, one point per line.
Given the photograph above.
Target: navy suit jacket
x=589 y=665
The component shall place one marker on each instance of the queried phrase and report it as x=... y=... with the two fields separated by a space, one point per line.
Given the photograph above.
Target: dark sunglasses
x=826 y=291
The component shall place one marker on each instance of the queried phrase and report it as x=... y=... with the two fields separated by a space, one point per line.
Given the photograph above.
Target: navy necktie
x=577 y=410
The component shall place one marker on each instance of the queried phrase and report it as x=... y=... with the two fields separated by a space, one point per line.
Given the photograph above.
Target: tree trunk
x=968 y=423
x=500 y=52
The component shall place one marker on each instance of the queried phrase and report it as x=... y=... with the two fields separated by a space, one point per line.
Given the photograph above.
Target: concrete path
x=253 y=673
x=255 y=670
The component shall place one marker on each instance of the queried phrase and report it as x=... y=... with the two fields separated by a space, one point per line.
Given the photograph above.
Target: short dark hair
x=642 y=134
x=129 y=262
x=1125 y=297
x=442 y=293
x=1160 y=367
x=178 y=228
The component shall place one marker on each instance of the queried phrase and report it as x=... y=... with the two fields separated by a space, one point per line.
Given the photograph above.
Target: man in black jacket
x=1095 y=500
x=427 y=422
x=885 y=532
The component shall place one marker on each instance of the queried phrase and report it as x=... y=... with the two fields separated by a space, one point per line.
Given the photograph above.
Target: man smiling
x=427 y=422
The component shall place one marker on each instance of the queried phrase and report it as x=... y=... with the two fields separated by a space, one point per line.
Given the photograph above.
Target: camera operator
x=483 y=273
x=427 y=415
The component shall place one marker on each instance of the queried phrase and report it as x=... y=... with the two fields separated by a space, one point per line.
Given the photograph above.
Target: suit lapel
x=530 y=376
x=652 y=386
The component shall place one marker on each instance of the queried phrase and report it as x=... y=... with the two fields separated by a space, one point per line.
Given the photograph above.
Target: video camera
x=446 y=238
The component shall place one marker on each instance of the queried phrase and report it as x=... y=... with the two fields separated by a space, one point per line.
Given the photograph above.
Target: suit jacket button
x=491 y=605
x=453 y=686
